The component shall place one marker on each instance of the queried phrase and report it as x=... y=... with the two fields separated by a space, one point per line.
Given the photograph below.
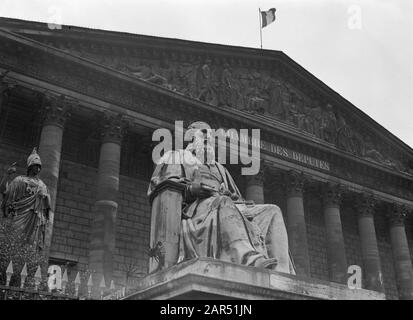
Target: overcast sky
x=360 y=48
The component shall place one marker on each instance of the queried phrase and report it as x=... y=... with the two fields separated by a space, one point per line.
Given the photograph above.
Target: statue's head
x=34 y=163
x=202 y=141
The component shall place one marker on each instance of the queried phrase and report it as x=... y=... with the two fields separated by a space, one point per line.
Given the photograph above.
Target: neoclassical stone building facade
x=91 y=99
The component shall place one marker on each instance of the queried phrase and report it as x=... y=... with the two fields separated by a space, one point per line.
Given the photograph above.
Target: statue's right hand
x=198 y=191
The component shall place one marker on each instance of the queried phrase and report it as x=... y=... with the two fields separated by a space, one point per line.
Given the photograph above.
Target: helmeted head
x=34 y=161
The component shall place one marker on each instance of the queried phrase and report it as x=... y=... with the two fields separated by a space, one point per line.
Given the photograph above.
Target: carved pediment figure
x=256 y=102
x=185 y=79
x=207 y=90
x=274 y=91
x=315 y=115
x=228 y=90
x=300 y=115
x=145 y=72
x=308 y=120
x=358 y=143
x=291 y=110
x=371 y=153
x=328 y=125
x=345 y=139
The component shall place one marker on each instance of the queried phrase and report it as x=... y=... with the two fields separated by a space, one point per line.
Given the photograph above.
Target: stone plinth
x=214 y=279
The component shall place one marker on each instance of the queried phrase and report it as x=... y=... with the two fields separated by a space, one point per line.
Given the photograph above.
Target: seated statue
x=216 y=222
x=26 y=202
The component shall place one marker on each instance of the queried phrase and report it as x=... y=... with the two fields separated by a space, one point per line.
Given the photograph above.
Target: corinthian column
x=296 y=227
x=56 y=112
x=372 y=274
x=102 y=245
x=334 y=234
x=401 y=253
x=255 y=187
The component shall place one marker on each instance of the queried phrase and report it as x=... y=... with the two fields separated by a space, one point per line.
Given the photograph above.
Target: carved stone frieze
x=248 y=88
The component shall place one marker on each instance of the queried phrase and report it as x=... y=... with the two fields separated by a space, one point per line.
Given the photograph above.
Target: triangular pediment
x=261 y=82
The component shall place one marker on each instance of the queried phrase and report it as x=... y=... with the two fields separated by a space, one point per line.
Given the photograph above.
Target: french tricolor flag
x=267 y=17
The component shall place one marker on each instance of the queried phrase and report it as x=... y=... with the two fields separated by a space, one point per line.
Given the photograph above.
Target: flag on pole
x=267 y=17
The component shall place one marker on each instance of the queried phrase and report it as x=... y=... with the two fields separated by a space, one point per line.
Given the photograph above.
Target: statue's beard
x=204 y=152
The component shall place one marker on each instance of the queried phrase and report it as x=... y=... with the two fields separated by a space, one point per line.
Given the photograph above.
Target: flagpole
x=259 y=17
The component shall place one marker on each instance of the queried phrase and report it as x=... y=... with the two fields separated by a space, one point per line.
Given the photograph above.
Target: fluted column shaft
x=372 y=274
x=296 y=226
x=401 y=253
x=103 y=234
x=57 y=111
x=334 y=234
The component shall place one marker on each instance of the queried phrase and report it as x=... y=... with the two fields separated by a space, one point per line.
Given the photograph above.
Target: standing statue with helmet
x=26 y=202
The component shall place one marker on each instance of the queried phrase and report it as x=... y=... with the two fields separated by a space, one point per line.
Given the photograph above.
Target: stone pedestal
x=50 y=148
x=372 y=275
x=334 y=234
x=204 y=278
x=401 y=253
x=296 y=227
x=102 y=245
x=166 y=223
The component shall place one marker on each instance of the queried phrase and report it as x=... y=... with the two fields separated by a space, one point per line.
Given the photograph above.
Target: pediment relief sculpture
x=263 y=93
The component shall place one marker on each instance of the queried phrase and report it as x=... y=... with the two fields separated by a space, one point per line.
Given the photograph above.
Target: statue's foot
x=264 y=263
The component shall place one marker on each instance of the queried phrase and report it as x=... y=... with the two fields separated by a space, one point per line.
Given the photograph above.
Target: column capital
x=397 y=213
x=56 y=109
x=294 y=182
x=331 y=194
x=365 y=204
x=113 y=128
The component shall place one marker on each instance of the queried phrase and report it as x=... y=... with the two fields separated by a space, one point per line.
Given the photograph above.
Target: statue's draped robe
x=219 y=227
x=27 y=203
